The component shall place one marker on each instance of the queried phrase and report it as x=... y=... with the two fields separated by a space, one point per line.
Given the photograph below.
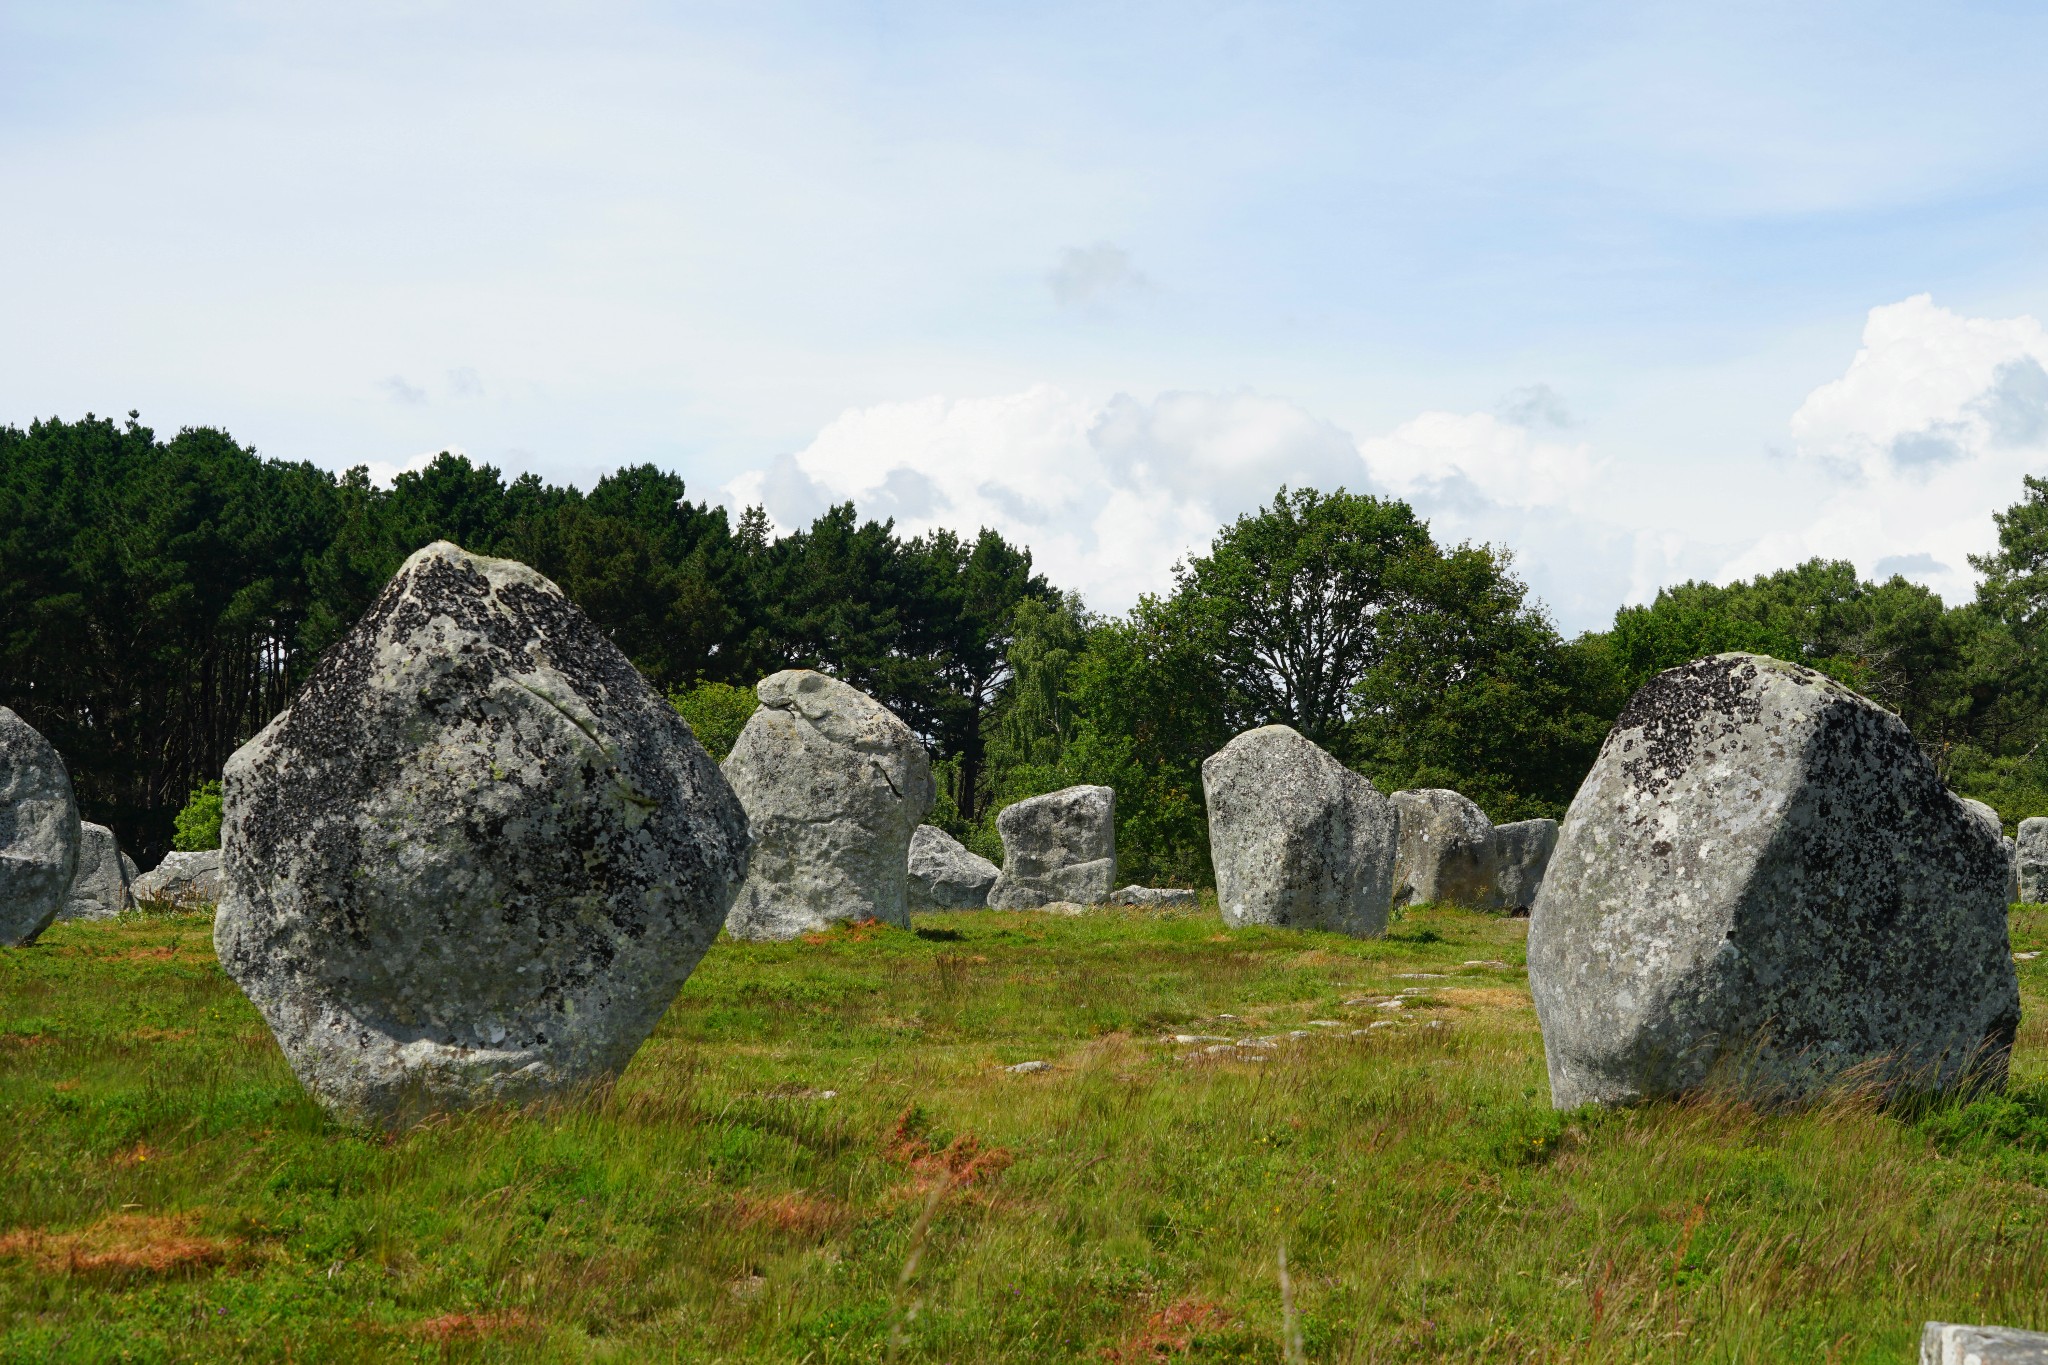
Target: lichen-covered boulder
x=1522 y=852
x=1057 y=847
x=834 y=786
x=476 y=857
x=1763 y=877
x=1297 y=838
x=945 y=874
x=38 y=831
x=1447 y=854
x=185 y=881
x=2032 y=850
x=99 y=889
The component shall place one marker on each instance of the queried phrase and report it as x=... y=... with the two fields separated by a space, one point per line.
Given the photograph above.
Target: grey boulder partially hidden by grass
x=1763 y=877
x=1298 y=839
x=945 y=874
x=100 y=888
x=1153 y=897
x=1057 y=847
x=476 y=857
x=1955 y=1343
x=834 y=785
x=38 y=831
x=185 y=881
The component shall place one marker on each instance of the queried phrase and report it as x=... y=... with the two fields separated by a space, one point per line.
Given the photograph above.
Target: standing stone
x=945 y=874
x=834 y=786
x=100 y=889
x=476 y=857
x=1522 y=854
x=1154 y=897
x=1057 y=847
x=1297 y=838
x=1447 y=854
x=2012 y=869
x=1953 y=1343
x=2032 y=847
x=184 y=881
x=38 y=832
x=1763 y=872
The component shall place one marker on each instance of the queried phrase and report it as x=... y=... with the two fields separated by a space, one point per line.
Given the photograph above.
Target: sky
x=1642 y=292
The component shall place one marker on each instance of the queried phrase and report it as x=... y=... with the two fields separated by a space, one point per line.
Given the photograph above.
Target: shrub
x=198 y=826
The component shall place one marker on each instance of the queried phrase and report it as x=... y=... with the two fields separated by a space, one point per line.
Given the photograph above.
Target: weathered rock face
x=1297 y=838
x=2033 y=859
x=1153 y=897
x=945 y=874
x=99 y=890
x=2012 y=868
x=1057 y=847
x=1763 y=870
x=187 y=881
x=834 y=786
x=38 y=831
x=476 y=857
x=1953 y=1343
x=1521 y=855
x=1447 y=854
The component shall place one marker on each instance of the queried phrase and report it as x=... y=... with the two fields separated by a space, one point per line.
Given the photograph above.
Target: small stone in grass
x=1421 y=976
x=2026 y=957
x=1325 y=1023
x=1497 y=966
x=1026 y=1068
x=1381 y=1023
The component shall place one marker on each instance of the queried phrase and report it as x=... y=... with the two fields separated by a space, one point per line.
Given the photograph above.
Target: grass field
x=821 y=1157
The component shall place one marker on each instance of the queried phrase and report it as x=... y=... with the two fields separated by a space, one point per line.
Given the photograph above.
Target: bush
x=198 y=825
x=716 y=713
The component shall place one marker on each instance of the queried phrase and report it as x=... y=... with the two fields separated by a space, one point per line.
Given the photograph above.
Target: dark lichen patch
x=1682 y=713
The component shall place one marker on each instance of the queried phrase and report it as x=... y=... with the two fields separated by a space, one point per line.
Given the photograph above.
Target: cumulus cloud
x=384 y=473
x=401 y=392
x=1109 y=496
x=1093 y=276
x=1926 y=433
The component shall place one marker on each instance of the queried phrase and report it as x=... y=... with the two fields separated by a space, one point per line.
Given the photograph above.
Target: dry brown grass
x=793 y=1211
x=453 y=1327
x=1170 y=1331
x=122 y=1244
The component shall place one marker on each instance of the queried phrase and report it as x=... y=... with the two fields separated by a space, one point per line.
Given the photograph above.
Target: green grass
x=166 y=1192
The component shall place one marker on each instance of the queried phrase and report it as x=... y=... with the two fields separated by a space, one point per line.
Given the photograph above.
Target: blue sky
x=1645 y=292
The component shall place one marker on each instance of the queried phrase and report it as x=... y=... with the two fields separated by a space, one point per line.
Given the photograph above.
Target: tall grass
x=166 y=1191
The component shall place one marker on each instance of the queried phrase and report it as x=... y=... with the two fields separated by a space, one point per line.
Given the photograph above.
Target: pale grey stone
x=1028 y=1068
x=834 y=786
x=1297 y=839
x=1522 y=852
x=945 y=874
x=1057 y=847
x=100 y=889
x=476 y=857
x=2012 y=869
x=38 y=831
x=1954 y=1343
x=1763 y=877
x=1447 y=853
x=128 y=868
x=2032 y=847
x=184 y=881
x=1153 y=897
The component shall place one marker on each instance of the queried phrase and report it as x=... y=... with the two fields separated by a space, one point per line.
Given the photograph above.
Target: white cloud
x=1110 y=495
x=1926 y=434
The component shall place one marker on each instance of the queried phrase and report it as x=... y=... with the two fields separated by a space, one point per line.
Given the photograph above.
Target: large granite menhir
x=38 y=831
x=1297 y=838
x=947 y=875
x=1447 y=853
x=834 y=786
x=100 y=889
x=2032 y=848
x=1521 y=856
x=1057 y=848
x=476 y=857
x=1764 y=882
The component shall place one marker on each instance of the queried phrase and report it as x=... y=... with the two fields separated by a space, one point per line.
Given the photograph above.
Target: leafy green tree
x=198 y=822
x=716 y=713
x=1300 y=600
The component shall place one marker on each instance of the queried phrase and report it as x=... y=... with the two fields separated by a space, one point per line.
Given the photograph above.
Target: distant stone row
x=477 y=856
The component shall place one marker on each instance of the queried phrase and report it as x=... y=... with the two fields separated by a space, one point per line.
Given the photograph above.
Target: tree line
x=160 y=600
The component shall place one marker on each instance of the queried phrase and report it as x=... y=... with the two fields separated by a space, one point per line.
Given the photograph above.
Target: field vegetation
x=823 y=1156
